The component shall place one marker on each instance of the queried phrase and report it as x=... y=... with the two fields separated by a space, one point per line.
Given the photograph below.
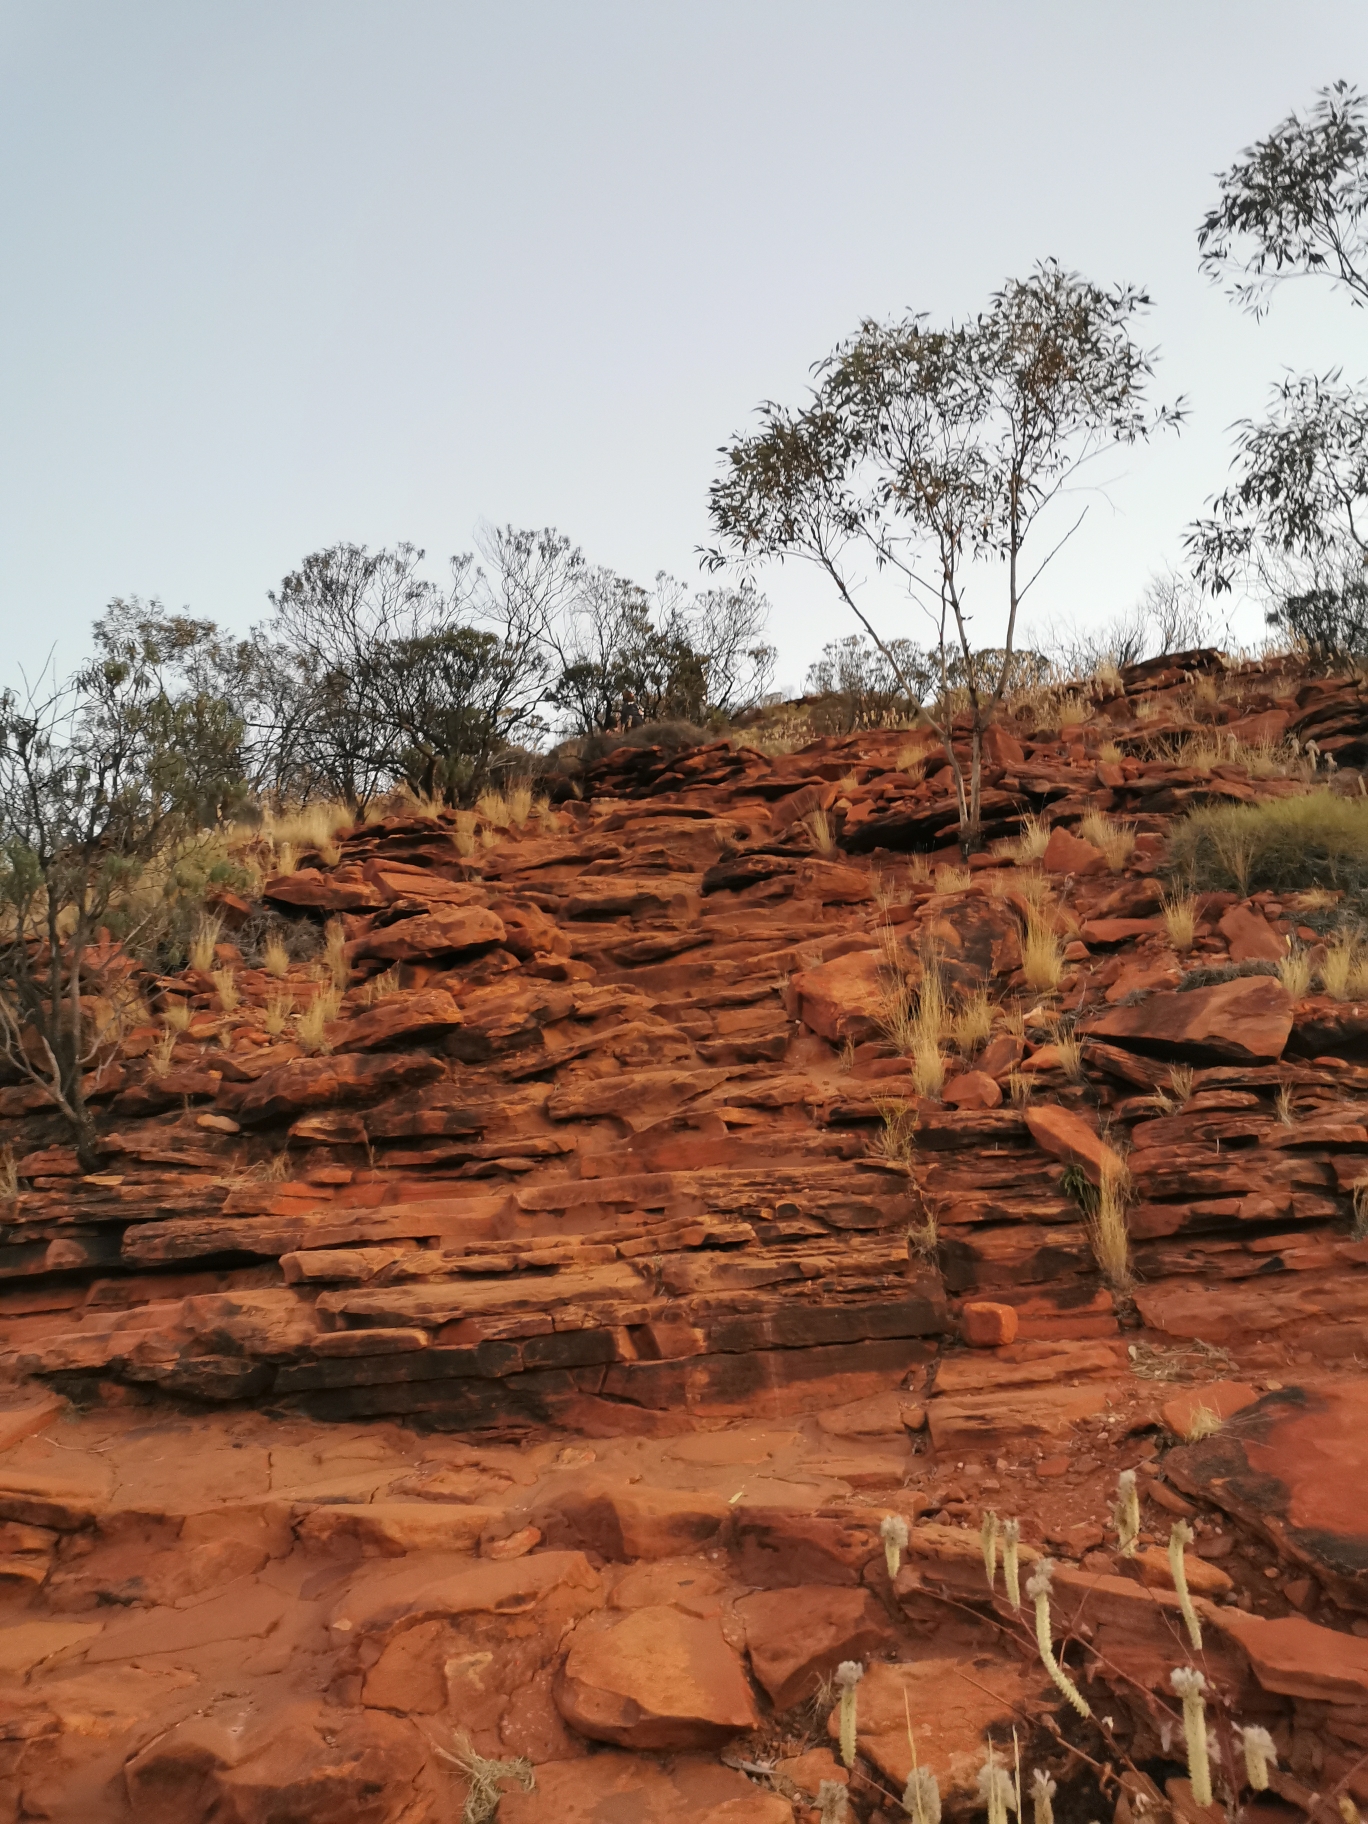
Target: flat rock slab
x=797 y=1637
x=1294 y=1465
x=1245 y=1021
x=608 y=1787
x=654 y=1678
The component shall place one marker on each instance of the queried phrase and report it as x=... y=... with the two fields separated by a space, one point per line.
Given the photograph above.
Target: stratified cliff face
x=539 y=1355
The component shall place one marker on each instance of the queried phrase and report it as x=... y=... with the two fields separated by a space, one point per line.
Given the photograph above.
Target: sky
x=273 y=275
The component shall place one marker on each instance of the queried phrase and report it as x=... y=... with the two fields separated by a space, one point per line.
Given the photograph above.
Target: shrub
x=1315 y=841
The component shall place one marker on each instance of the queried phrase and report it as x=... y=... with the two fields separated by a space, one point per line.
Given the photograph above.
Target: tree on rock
x=1294 y=522
x=937 y=452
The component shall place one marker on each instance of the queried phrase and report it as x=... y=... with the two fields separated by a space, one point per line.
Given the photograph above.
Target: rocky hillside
x=531 y=1325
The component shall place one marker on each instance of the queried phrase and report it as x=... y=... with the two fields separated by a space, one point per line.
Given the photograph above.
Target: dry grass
x=1030 y=842
x=1147 y=710
x=202 y=944
x=1014 y=1020
x=225 y=985
x=972 y=1022
x=485 y=1779
x=177 y=1015
x=1116 y=840
x=494 y=808
x=1180 y=1083
x=895 y=1139
x=1110 y=754
x=823 y=833
x=1284 y=845
x=1108 y=1230
x=1042 y=954
x=951 y=879
x=463 y=835
x=9 y=1175
x=1180 y=921
x=1294 y=972
x=545 y=816
x=1202 y=1423
x=1359 y=1231
x=489 y=838
x=1282 y=1107
x=163 y=1052
x=312 y=827
x=916 y=1022
x=1020 y=1089
x=912 y=761
x=311 y=1025
x=1070 y=1056
x=275 y=958
x=277 y=1013
x=519 y=804
x=334 y=956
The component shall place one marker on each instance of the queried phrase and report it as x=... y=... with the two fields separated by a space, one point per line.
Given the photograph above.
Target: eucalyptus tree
x=936 y=453
x=1293 y=524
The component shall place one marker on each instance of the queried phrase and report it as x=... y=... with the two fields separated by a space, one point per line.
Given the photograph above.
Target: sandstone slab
x=636 y=1789
x=1245 y=1021
x=798 y=1636
x=655 y=1678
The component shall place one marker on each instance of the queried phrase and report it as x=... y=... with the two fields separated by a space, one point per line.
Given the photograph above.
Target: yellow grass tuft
x=493 y=807
x=972 y=1022
x=1202 y=1423
x=823 y=832
x=339 y=970
x=1116 y=840
x=463 y=835
x=225 y=982
x=1180 y=921
x=277 y=1013
x=1042 y=954
x=951 y=879
x=1294 y=972
x=1030 y=842
x=275 y=958
x=163 y=1052
x=1108 y=1230
x=519 y=804
x=311 y=1025
x=202 y=944
x=177 y=1014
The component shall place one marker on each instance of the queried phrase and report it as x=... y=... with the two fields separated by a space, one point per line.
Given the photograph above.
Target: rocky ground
x=527 y=1362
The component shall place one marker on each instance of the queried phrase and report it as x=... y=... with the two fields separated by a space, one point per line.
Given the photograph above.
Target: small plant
x=275 y=958
x=1189 y=1685
x=334 y=956
x=202 y=944
x=1030 y=841
x=1360 y=1194
x=163 y=1052
x=1108 y=1230
x=177 y=1015
x=285 y=861
x=1043 y=1790
x=921 y=1797
x=1339 y=968
x=1282 y=1106
x=832 y=1803
x=1126 y=1513
x=1181 y=1079
x=277 y=1013
x=9 y=1176
x=225 y=986
x=893 y=1532
x=489 y=838
x=1038 y=1589
x=1202 y=1423
x=1020 y=1088
x=1294 y=971
x=848 y=1675
x=1179 y=1539
x=1042 y=954
x=519 y=804
x=1283 y=844
x=485 y=1779
x=973 y=1022
x=311 y=1025
x=952 y=880
x=988 y=1539
x=1180 y=921
x=463 y=835
x=1011 y=1561
x=923 y=1241
x=995 y=1789
x=1116 y=840
x=1260 y=1753
x=1110 y=754
x=1070 y=1051
x=493 y=807
x=822 y=831
x=897 y=1136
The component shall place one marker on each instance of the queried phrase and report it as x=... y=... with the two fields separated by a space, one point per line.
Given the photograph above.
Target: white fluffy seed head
x=893 y=1531
x=849 y=1673
x=1125 y=1482
x=1041 y=1579
x=921 y=1796
x=1011 y=1532
x=1187 y=1682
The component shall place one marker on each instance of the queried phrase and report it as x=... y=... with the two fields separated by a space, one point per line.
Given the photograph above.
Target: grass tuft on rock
x=1280 y=846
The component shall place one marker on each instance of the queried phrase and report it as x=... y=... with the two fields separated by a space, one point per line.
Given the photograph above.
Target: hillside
x=529 y=1338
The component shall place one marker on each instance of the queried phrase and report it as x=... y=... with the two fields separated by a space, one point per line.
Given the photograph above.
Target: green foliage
x=1283 y=845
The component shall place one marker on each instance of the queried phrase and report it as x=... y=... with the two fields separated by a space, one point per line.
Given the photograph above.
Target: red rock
x=972 y=1089
x=305 y=1083
x=654 y=1678
x=1295 y=1658
x=1245 y=1021
x=447 y=931
x=1066 y=1135
x=987 y=1326
x=797 y=1637
x=428 y=1012
x=600 y=1515
x=1250 y=937
x=1152 y=1562
x=1069 y=854
x=307 y=1763
x=1001 y=1056
x=679 y=1790
x=1220 y=1398
x=843 y=999
x=318 y=892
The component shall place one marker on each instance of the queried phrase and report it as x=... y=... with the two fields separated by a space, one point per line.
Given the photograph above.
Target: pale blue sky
x=279 y=274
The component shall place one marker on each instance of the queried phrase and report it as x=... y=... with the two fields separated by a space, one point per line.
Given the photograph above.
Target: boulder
x=1069 y=854
x=1250 y=936
x=654 y=1678
x=1245 y=1021
x=1067 y=1136
x=987 y=1326
x=426 y=1014
x=306 y=1083
x=972 y=1089
x=447 y=931
x=846 y=998
x=1295 y=1658
x=797 y=1637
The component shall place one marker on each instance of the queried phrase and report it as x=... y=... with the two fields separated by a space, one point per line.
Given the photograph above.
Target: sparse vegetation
x=1042 y=953
x=1116 y=840
x=1280 y=845
x=1180 y=921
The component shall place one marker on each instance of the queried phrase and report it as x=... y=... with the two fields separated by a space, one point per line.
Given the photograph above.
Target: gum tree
x=1294 y=521
x=937 y=452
